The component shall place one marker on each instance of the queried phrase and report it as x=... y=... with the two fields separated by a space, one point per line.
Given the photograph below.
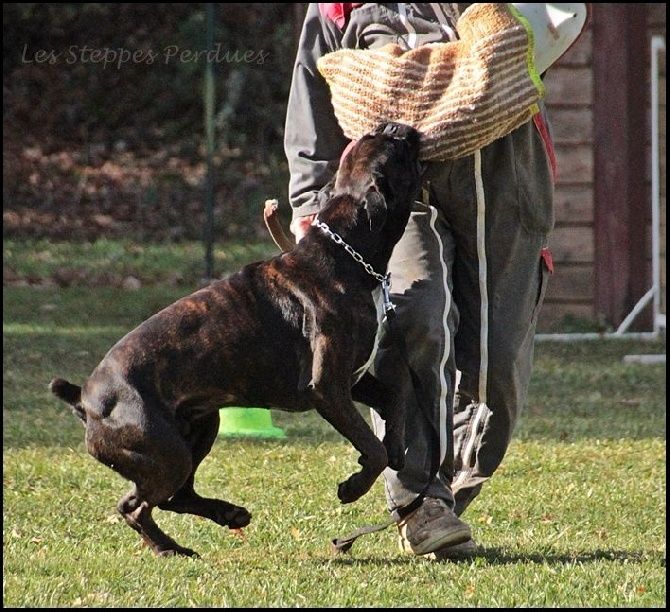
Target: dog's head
x=370 y=198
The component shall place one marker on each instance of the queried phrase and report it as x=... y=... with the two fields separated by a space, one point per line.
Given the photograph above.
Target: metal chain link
x=357 y=257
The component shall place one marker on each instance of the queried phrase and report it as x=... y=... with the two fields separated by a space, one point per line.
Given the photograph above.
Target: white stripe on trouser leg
x=484 y=320
x=444 y=23
x=483 y=291
x=469 y=449
x=411 y=39
x=444 y=389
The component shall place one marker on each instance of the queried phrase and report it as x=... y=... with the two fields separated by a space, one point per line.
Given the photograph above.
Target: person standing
x=436 y=271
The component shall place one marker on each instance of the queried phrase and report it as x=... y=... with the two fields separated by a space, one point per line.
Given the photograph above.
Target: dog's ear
x=375 y=207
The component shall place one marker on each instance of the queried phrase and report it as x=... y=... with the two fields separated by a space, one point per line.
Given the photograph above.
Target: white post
x=657 y=45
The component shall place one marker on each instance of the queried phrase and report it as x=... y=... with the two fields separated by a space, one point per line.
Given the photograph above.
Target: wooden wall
x=569 y=85
x=572 y=299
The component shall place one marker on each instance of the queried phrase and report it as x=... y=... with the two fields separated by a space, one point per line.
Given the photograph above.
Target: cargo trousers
x=435 y=284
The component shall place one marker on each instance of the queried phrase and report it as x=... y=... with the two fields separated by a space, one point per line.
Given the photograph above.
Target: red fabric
x=337 y=11
x=548 y=144
x=547 y=258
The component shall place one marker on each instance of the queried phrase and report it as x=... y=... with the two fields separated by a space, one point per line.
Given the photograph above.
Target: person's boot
x=431 y=527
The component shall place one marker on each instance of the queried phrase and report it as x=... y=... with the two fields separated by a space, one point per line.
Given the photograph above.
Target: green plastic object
x=248 y=422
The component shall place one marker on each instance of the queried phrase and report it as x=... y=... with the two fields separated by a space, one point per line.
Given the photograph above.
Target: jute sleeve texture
x=460 y=95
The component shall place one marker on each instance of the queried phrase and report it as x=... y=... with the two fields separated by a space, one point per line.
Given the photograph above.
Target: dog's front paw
x=394 y=443
x=396 y=458
x=349 y=490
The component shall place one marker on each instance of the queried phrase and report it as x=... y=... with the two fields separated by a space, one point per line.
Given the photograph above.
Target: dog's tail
x=70 y=394
x=271 y=218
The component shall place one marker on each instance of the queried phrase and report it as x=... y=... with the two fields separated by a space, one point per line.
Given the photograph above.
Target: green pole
x=209 y=135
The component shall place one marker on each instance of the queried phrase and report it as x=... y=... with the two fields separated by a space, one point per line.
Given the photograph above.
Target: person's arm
x=313 y=140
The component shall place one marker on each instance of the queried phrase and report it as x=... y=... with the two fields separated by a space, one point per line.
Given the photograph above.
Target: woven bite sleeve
x=460 y=96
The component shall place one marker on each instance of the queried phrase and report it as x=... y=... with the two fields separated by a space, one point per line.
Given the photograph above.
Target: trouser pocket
x=534 y=181
x=546 y=269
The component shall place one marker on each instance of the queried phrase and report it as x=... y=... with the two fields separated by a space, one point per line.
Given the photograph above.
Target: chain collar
x=383 y=279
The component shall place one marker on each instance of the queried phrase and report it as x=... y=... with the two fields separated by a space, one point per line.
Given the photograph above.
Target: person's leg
x=518 y=217
x=426 y=316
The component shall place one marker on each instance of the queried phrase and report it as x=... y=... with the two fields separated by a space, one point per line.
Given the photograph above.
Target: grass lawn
x=106 y=262
x=575 y=516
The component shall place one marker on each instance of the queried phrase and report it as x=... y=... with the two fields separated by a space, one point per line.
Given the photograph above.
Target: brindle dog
x=285 y=333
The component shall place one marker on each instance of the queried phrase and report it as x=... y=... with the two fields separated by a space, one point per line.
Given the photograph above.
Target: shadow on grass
x=499 y=556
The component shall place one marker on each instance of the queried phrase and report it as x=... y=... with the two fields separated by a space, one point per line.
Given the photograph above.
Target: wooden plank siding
x=603 y=255
x=569 y=100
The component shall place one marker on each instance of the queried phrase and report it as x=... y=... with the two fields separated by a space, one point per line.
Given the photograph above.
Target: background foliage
x=91 y=150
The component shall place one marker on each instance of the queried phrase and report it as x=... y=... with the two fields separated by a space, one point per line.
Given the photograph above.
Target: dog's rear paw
x=237 y=517
x=178 y=551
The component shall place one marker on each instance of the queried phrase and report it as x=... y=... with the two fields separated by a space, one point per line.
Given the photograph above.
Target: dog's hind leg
x=137 y=514
x=154 y=457
x=200 y=437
